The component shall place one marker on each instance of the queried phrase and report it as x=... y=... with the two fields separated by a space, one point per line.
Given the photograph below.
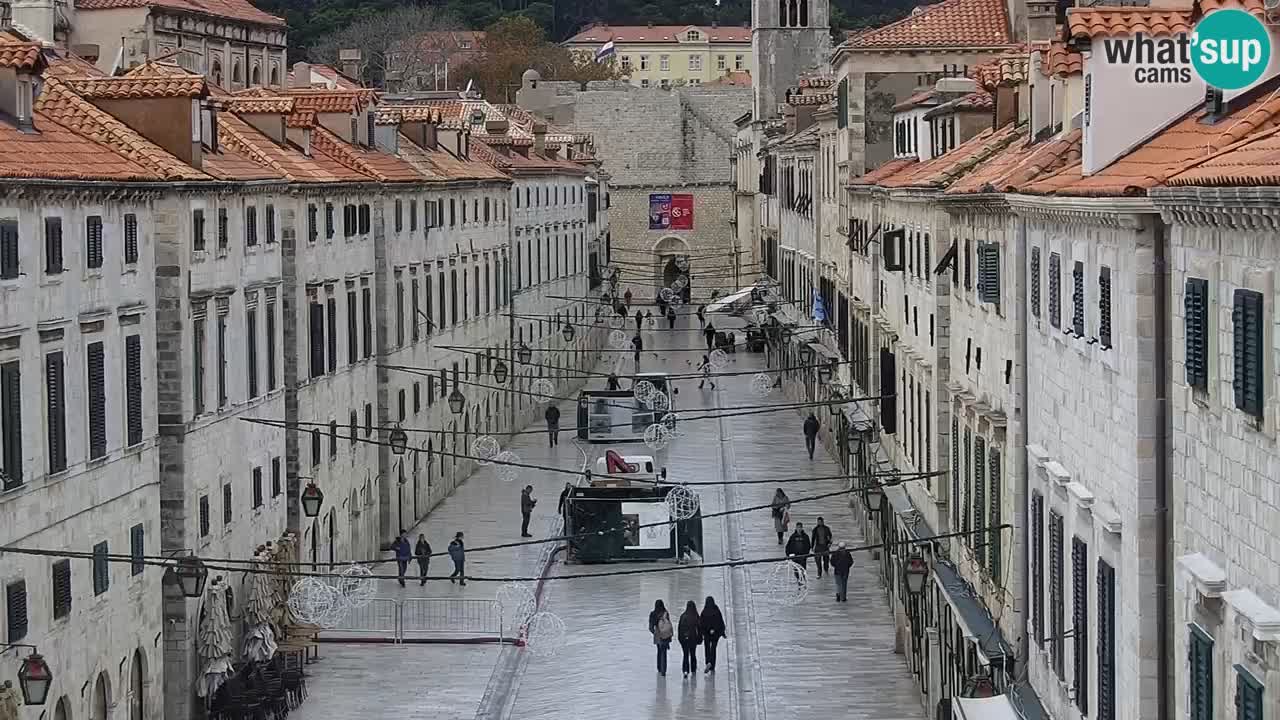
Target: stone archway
x=665 y=251
x=138 y=686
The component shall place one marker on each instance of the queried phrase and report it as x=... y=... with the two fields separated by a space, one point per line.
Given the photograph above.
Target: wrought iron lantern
x=312 y=499
x=456 y=401
x=827 y=371
x=399 y=440
x=500 y=372
x=806 y=353
x=873 y=498
x=916 y=573
x=523 y=354
x=190 y=574
x=35 y=678
x=567 y=332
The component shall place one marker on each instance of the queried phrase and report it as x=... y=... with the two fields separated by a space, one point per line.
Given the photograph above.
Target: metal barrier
x=443 y=619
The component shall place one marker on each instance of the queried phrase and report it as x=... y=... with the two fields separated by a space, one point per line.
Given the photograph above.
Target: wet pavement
x=820 y=659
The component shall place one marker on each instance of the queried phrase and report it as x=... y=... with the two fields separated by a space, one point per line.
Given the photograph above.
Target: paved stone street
x=822 y=658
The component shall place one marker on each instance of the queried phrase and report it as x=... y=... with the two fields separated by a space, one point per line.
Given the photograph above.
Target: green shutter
x=1104 y=307
x=1055 y=290
x=1077 y=299
x=842 y=104
x=1196 y=323
x=995 y=548
x=955 y=473
x=1080 y=621
x=1037 y=567
x=1200 y=658
x=1248 y=695
x=1106 y=694
x=979 y=502
x=1246 y=317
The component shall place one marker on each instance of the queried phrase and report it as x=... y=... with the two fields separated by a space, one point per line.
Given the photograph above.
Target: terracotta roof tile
x=1019 y=164
x=733 y=77
x=950 y=23
x=818 y=99
x=817 y=81
x=159 y=69
x=1006 y=70
x=258 y=106
x=1091 y=22
x=885 y=171
x=1184 y=143
x=67 y=65
x=301 y=119
x=24 y=56
x=383 y=167
x=448 y=166
x=980 y=100
x=927 y=97
x=599 y=34
x=1058 y=59
x=122 y=88
x=57 y=101
x=230 y=9
x=1252 y=162
x=941 y=171
x=332 y=101
x=284 y=159
x=57 y=153
x=1255 y=7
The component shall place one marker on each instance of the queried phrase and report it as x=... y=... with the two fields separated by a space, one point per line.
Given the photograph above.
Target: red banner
x=681 y=212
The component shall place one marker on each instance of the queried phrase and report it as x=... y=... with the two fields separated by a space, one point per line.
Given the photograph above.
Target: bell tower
x=788 y=38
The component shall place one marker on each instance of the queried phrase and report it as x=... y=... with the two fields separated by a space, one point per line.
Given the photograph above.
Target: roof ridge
x=928 y=13
x=331 y=145
x=241 y=144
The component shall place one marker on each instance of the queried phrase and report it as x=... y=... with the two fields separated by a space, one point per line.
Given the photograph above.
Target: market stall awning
x=729 y=300
x=992 y=708
x=824 y=352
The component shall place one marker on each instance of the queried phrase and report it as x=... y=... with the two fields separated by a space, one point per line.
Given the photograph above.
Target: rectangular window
x=333 y=439
x=722 y=62
x=197 y=230
x=250 y=225
x=1247 y=351
x=414 y=324
x=271 y=346
x=1106 y=694
x=15 y=603
x=644 y=65
x=1077 y=299
x=1196 y=325
x=354 y=427
x=130 y=239
x=222 y=360
x=1035 y=282
x=1055 y=290
x=453 y=296
x=251 y=348
x=366 y=302
x=331 y=310
x=399 y=215
x=1057 y=617
x=402 y=404
x=979 y=499
x=968 y=264
x=204 y=516
x=95 y=369
x=11 y=417
x=1249 y=694
x=417 y=398
x=1200 y=661
x=315 y=328
x=353 y=334
x=316 y=451
x=995 y=546
x=1080 y=621
x=53 y=245
x=61 y=589
x=1104 y=307
x=256 y=486
x=368 y=419
x=1037 y=568
x=739 y=62
x=413 y=214
x=269 y=215
x=133 y=389
x=101 y=569
x=226 y=504
x=222 y=228
x=197 y=370
x=93 y=241
x=695 y=62
x=399 y=314
x=664 y=62
x=989 y=273
x=363 y=223
x=967 y=459
x=276 y=484
x=328 y=221
x=137 y=550
x=313 y=231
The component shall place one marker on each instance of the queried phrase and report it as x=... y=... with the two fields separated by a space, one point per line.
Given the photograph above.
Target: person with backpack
x=712 y=623
x=612 y=382
x=662 y=631
x=781 y=509
x=690 y=638
x=638 y=346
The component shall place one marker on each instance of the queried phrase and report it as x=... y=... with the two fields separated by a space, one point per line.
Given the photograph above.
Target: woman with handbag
x=781 y=513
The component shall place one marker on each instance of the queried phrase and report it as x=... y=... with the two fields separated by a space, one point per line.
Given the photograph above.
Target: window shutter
x=250 y=225
x=353 y=331
x=1055 y=290
x=955 y=472
x=399 y=214
x=61 y=588
x=271 y=345
x=1246 y=318
x=204 y=515
x=222 y=228
x=130 y=238
x=1106 y=642
x=892 y=243
x=226 y=503
x=1037 y=567
x=276 y=488
x=968 y=264
x=270 y=217
x=93 y=241
x=989 y=273
x=1056 y=618
x=197 y=229
x=251 y=350
x=9 y=249
x=95 y=361
x=137 y=549
x=994 y=544
x=316 y=329
x=1104 y=307
x=101 y=569
x=331 y=342
x=56 y=411
x=11 y=417
x=1200 y=658
x=313 y=231
x=133 y=388
x=366 y=307
x=1196 y=324
x=53 y=245
x=1080 y=621
x=965 y=516
x=1077 y=299
x=15 y=595
x=979 y=500
x=315 y=447
x=1248 y=695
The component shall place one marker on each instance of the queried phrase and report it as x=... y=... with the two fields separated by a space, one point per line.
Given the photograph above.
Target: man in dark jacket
x=811 y=426
x=404 y=552
x=821 y=547
x=458 y=554
x=689 y=632
x=526 y=509
x=637 y=345
x=709 y=334
x=564 y=497
x=798 y=546
x=553 y=425
x=841 y=562
x=612 y=382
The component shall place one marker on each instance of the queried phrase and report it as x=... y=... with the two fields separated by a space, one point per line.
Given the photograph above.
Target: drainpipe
x=1024 y=471
x=1164 y=482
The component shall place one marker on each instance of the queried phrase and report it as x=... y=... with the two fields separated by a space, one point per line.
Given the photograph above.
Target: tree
x=397 y=46
x=517 y=43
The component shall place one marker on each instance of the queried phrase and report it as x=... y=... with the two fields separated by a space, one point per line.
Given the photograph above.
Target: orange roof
x=20 y=55
x=660 y=33
x=1018 y=164
x=1252 y=162
x=733 y=77
x=1008 y=69
x=286 y=160
x=1184 y=143
x=447 y=165
x=945 y=169
x=887 y=170
x=1091 y=22
x=980 y=100
x=57 y=153
x=258 y=105
x=929 y=96
x=950 y=23
x=380 y=166
x=332 y=101
x=1058 y=59
x=230 y=9
x=67 y=66
x=122 y=88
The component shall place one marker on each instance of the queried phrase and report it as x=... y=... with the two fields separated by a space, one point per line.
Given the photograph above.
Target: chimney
x=496 y=127
x=1042 y=20
x=301 y=75
x=539 y=137
x=350 y=59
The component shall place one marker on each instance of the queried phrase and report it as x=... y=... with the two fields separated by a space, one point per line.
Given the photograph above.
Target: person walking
x=705 y=369
x=613 y=382
x=422 y=551
x=709 y=334
x=403 y=552
x=702 y=315
x=712 y=623
x=671 y=318
x=637 y=345
x=639 y=320
x=458 y=554
x=781 y=513
x=822 y=547
x=660 y=628
x=626 y=297
x=798 y=546
x=526 y=509
x=841 y=562
x=552 y=416
x=564 y=497
x=811 y=426
x=690 y=631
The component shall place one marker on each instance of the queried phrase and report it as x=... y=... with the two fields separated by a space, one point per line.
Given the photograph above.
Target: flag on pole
x=606 y=51
x=819 y=308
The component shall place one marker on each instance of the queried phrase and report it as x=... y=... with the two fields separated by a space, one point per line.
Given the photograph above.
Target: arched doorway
x=101 y=698
x=137 y=686
x=63 y=710
x=667 y=252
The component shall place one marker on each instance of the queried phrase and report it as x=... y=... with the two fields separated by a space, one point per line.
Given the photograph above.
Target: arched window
x=782 y=13
x=215 y=72
x=237 y=73
x=804 y=13
x=255 y=76
x=63 y=711
x=275 y=76
x=794 y=20
x=137 y=687
x=101 y=697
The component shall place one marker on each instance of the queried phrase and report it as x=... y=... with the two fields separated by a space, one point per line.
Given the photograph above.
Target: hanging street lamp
x=456 y=401
x=916 y=573
x=873 y=498
x=35 y=678
x=567 y=332
x=500 y=372
x=312 y=499
x=523 y=354
x=399 y=440
x=189 y=573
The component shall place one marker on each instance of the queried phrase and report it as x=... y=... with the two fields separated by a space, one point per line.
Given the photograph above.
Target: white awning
x=727 y=301
x=992 y=708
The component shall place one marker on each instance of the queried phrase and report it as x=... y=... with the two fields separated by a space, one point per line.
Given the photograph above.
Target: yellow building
x=667 y=55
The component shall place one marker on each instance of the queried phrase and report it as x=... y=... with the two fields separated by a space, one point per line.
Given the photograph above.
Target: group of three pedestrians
x=693 y=629
x=422 y=551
